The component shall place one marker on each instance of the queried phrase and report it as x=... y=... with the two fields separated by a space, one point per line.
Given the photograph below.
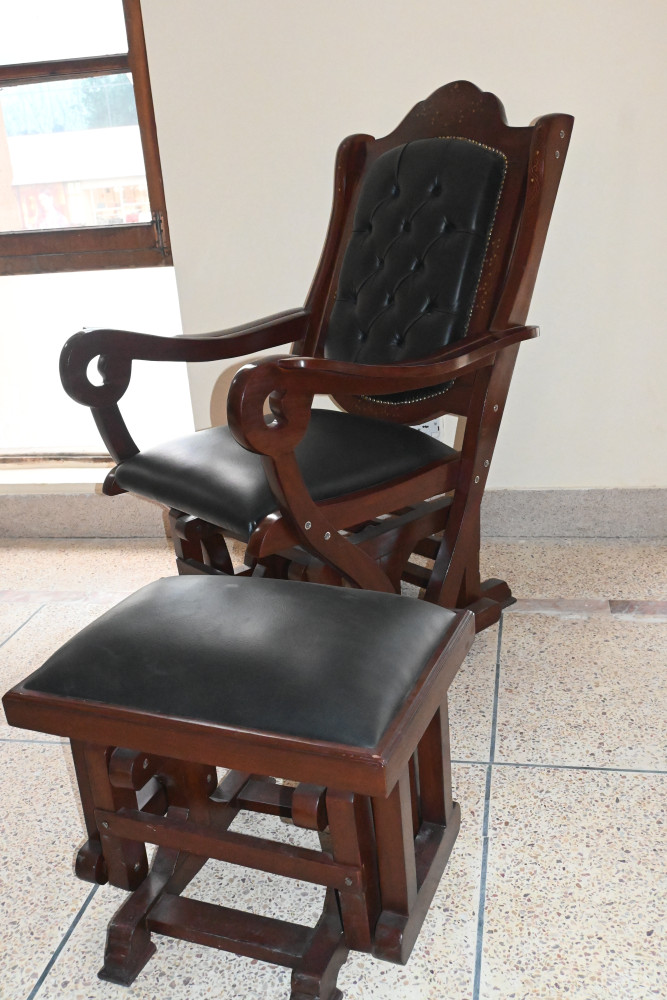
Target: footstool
x=342 y=692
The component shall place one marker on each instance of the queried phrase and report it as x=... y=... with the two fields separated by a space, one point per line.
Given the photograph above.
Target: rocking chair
x=417 y=309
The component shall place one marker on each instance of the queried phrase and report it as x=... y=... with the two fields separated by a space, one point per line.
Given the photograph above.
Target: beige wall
x=252 y=97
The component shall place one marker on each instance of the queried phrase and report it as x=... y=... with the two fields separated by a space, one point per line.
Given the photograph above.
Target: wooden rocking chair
x=417 y=309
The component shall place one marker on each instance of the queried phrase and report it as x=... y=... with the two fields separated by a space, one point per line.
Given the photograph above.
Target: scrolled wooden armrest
x=117 y=349
x=319 y=375
x=291 y=382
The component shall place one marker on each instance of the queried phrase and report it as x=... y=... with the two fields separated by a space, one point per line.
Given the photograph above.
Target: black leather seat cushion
x=210 y=475
x=304 y=660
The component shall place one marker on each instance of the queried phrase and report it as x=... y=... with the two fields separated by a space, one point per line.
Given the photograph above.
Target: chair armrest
x=294 y=381
x=116 y=349
x=324 y=376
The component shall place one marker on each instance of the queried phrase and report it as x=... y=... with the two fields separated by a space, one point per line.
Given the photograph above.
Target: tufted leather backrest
x=413 y=263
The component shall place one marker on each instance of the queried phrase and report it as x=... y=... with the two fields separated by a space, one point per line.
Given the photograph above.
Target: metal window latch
x=158 y=225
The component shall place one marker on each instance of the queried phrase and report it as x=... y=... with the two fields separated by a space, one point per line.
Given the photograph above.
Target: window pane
x=39 y=312
x=38 y=30
x=70 y=155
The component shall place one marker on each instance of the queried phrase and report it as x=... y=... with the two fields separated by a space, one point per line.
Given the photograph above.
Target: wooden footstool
x=343 y=691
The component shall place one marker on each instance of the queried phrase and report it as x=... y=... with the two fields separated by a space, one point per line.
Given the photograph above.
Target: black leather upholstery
x=410 y=272
x=211 y=476
x=310 y=661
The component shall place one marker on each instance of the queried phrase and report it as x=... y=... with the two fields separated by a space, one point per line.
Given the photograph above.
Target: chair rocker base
x=201 y=549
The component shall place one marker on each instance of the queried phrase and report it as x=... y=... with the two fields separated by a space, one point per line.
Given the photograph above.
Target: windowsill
x=54 y=480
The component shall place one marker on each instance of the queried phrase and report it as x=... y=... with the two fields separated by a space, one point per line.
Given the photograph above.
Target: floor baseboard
x=618 y=513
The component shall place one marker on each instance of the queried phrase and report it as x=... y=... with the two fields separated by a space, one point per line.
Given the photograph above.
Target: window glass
x=37 y=30
x=70 y=155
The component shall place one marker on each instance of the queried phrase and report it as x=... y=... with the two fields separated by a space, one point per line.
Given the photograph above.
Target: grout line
x=22 y=625
x=564 y=767
x=63 y=596
x=55 y=742
x=481 y=908
x=68 y=933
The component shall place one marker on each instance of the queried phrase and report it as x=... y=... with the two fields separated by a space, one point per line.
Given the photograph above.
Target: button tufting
x=411 y=174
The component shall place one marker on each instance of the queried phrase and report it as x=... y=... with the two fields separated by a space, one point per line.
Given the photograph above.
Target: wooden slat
x=242 y=933
x=236 y=848
x=63 y=69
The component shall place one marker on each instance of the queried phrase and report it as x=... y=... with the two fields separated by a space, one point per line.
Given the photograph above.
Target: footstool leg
x=410 y=865
x=435 y=770
x=129 y=945
x=396 y=863
x=89 y=865
x=314 y=978
x=126 y=862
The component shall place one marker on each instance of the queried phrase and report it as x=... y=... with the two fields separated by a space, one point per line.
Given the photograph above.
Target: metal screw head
x=209 y=778
x=327 y=536
x=476 y=479
x=348 y=881
x=557 y=154
x=105 y=824
x=562 y=134
x=137 y=866
x=145 y=763
x=486 y=463
x=495 y=408
x=307 y=525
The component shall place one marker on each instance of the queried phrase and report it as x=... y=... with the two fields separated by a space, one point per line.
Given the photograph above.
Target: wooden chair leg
x=455 y=580
x=200 y=547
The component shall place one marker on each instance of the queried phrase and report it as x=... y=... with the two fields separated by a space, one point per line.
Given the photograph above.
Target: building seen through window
x=72 y=154
x=78 y=151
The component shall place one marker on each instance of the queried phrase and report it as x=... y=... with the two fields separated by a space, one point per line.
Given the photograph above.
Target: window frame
x=86 y=248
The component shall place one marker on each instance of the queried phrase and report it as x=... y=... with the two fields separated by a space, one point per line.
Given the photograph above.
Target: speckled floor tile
x=40 y=830
x=84 y=563
x=471 y=699
x=587 y=692
x=576 y=887
x=441 y=963
x=620 y=570
x=14 y=617
x=28 y=648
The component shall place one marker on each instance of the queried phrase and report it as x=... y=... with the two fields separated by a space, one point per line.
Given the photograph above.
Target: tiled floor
x=557 y=886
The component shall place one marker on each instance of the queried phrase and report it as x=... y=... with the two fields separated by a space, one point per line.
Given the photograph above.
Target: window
x=80 y=180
